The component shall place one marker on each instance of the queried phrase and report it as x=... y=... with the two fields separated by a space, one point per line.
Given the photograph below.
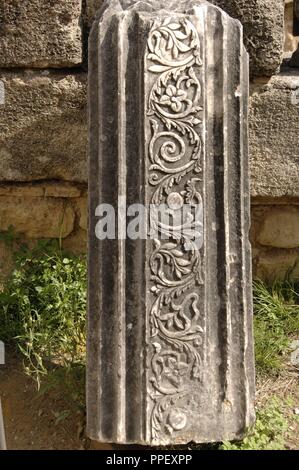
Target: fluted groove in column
x=170 y=357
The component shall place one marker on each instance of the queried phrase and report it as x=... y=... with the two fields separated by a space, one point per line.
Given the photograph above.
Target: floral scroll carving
x=175 y=153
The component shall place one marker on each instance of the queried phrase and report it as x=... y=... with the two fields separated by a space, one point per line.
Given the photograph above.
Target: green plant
x=9 y=237
x=69 y=383
x=269 y=431
x=43 y=307
x=43 y=311
x=276 y=319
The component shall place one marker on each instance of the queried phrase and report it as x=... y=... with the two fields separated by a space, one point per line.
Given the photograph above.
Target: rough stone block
x=170 y=355
x=46 y=114
x=6 y=262
x=57 y=189
x=273 y=265
x=274 y=131
x=43 y=132
x=82 y=208
x=22 y=190
x=280 y=228
x=36 y=217
x=39 y=33
x=76 y=242
x=263 y=22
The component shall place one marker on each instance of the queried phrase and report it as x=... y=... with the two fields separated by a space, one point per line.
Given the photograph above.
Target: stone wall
x=43 y=126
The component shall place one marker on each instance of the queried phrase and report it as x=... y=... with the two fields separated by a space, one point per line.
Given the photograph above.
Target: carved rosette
x=175 y=114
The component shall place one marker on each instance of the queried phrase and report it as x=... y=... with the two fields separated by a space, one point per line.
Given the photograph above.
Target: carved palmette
x=170 y=331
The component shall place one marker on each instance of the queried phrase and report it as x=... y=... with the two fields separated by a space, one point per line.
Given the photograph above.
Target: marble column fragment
x=170 y=349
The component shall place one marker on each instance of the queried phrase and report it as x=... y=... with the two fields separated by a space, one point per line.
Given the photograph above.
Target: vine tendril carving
x=175 y=150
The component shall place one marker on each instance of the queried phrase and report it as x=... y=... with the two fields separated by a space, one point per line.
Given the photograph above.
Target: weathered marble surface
x=170 y=355
x=263 y=22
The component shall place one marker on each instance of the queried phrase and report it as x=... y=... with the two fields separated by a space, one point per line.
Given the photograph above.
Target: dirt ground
x=32 y=420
